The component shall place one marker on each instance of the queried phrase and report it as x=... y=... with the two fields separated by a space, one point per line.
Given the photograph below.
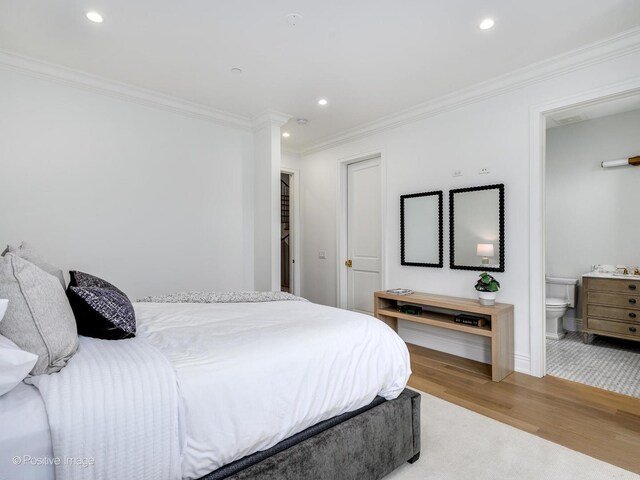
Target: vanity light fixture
x=635 y=161
x=286 y=134
x=95 y=17
x=485 y=250
x=487 y=23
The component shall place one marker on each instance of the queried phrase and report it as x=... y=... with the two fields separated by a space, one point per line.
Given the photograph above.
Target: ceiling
x=368 y=58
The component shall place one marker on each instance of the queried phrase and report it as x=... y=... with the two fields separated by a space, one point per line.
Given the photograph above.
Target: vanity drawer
x=613 y=327
x=621 y=314
x=614 y=299
x=614 y=285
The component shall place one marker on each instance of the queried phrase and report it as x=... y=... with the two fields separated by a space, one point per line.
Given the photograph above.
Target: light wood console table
x=440 y=311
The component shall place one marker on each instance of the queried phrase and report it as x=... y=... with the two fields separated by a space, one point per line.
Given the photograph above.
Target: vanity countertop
x=618 y=276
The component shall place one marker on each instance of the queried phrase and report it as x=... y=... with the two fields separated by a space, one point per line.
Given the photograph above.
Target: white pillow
x=15 y=364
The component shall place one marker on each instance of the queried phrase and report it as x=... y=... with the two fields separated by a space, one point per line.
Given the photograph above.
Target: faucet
x=622 y=269
x=636 y=271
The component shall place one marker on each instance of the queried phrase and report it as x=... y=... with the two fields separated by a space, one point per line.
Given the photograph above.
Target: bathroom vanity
x=611 y=305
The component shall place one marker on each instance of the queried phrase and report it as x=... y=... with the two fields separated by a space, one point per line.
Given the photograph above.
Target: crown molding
x=597 y=52
x=111 y=88
x=269 y=117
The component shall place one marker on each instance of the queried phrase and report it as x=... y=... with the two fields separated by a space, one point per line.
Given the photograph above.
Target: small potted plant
x=487 y=288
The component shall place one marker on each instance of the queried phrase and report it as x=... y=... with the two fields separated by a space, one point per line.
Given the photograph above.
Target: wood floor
x=598 y=423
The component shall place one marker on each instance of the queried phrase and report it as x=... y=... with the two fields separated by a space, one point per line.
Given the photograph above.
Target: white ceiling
x=369 y=58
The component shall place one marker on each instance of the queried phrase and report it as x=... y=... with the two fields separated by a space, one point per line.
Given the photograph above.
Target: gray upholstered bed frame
x=363 y=445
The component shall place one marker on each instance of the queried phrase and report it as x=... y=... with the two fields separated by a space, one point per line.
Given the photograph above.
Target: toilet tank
x=559 y=287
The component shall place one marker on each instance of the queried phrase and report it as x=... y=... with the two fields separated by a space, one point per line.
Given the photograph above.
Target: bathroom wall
x=592 y=213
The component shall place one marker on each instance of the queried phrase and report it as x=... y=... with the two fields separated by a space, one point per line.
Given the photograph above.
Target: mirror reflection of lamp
x=485 y=250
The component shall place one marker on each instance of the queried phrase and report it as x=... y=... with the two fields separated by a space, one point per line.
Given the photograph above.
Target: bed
x=257 y=389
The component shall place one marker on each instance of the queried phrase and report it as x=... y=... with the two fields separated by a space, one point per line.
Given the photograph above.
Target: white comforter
x=253 y=374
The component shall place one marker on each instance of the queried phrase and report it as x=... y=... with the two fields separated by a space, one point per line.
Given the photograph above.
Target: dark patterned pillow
x=81 y=279
x=101 y=309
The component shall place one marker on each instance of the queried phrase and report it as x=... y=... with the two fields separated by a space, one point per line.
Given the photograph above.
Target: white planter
x=487 y=298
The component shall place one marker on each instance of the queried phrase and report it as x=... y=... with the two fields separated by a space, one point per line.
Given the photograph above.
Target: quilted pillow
x=101 y=309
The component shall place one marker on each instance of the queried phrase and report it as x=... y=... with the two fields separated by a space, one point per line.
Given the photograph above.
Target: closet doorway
x=289 y=235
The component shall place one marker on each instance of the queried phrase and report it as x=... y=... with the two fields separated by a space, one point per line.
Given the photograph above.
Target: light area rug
x=608 y=363
x=458 y=444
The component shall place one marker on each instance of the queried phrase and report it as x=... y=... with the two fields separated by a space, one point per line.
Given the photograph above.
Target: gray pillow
x=29 y=254
x=39 y=318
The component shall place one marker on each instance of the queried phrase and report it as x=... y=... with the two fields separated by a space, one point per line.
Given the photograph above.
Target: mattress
x=253 y=374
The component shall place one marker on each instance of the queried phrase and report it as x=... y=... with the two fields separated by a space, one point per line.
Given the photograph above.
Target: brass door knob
x=348 y=263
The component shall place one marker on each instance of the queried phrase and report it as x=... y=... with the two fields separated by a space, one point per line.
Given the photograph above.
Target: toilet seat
x=556 y=302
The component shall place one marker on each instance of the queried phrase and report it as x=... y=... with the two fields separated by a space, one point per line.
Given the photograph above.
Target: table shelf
x=441 y=320
x=440 y=310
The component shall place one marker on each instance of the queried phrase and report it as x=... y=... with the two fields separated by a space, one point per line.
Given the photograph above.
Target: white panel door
x=364 y=249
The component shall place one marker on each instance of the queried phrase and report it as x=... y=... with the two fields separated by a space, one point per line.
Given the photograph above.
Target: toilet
x=560 y=295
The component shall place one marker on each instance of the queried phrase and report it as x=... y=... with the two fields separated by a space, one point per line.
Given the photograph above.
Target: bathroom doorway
x=591 y=265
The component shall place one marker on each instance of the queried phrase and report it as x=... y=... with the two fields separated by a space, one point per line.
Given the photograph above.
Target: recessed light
x=487 y=23
x=236 y=70
x=286 y=134
x=322 y=101
x=95 y=17
x=302 y=121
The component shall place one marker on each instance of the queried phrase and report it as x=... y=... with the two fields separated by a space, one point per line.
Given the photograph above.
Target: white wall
x=289 y=160
x=420 y=156
x=267 y=159
x=151 y=200
x=592 y=213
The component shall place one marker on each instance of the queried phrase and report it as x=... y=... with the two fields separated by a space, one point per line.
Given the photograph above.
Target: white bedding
x=253 y=374
x=249 y=375
x=113 y=413
x=24 y=432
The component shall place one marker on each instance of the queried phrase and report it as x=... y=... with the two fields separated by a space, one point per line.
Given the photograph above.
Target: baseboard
x=554 y=336
x=459 y=344
x=522 y=364
x=572 y=324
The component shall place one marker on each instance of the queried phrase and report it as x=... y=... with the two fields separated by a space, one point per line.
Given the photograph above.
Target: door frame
x=537 y=199
x=341 y=247
x=294 y=219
